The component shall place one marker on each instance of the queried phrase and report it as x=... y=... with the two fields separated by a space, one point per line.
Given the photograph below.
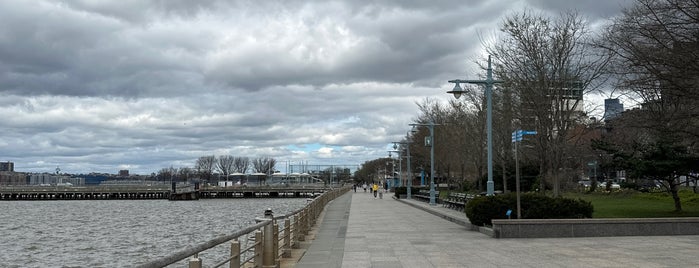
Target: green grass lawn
x=626 y=204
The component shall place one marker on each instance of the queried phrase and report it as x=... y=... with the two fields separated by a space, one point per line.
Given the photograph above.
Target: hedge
x=482 y=209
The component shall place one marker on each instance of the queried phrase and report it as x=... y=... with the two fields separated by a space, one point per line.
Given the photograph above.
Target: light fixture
x=457 y=91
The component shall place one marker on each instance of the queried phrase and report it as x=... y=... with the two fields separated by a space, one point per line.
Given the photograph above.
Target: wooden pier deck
x=148 y=192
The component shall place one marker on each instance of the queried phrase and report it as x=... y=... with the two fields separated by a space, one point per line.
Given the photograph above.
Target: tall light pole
x=409 y=179
x=488 y=82
x=400 y=165
x=430 y=142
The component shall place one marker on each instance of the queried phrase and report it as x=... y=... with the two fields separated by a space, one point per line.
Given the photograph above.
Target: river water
x=120 y=233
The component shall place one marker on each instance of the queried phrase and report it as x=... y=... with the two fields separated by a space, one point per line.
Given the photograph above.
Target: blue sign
x=518 y=134
x=509 y=212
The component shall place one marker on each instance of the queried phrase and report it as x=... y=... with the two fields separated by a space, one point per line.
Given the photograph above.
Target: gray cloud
x=142 y=85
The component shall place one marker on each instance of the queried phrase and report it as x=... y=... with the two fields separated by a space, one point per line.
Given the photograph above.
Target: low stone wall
x=540 y=228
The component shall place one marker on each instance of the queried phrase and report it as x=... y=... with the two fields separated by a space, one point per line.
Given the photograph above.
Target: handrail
x=182 y=254
x=303 y=218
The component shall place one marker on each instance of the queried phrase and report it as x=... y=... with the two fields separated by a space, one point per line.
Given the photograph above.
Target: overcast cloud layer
x=98 y=86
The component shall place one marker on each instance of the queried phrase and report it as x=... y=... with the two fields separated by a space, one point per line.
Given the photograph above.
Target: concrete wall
x=540 y=228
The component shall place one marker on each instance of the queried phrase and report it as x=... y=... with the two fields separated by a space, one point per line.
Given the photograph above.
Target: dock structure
x=149 y=192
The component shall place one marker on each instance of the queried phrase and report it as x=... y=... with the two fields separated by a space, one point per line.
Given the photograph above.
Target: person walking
x=376 y=189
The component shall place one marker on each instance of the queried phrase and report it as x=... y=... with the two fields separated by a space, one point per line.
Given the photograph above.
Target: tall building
x=612 y=108
x=7 y=166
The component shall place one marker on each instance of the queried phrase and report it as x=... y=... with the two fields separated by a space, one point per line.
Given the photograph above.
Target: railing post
x=268 y=237
x=276 y=242
x=258 y=248
x=287 y=238
x=235 y=254
x=298 y=229
x=195 y=262
x=309 y=218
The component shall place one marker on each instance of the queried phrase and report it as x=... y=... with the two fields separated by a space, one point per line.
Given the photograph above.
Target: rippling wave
x=121 y=233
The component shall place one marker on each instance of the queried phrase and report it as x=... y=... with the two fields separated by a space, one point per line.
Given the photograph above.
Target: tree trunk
x=674 y=189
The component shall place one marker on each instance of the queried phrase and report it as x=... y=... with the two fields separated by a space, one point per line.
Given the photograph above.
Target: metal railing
x=270 y=243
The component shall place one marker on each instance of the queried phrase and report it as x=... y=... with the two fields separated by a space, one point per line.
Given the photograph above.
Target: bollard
x=195 y=262
x=235 y=251
x=287 y=238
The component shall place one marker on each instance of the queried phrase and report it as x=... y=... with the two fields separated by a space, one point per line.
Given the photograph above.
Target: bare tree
x=241 y=164
x=655 y=45
x=205 y=167
x=655 y=48
x=167 y=174
x=549 y=64
x=224 y=165
x=459 y=138
x=185 y=173
x=264 y=165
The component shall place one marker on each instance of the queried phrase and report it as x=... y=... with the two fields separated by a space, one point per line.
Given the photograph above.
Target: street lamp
x=400 y=165
x=409 y=182
x=429 y=141
x=488 y=82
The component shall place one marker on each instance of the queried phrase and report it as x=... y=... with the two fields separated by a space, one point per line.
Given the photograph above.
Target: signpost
x=518 y=136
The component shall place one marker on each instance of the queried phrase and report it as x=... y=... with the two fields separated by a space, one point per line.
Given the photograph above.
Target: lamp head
x=395 y=146
x=457 y=91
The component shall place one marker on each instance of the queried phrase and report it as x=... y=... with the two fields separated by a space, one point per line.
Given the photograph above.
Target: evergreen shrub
x=404 y=191
x=483 y=209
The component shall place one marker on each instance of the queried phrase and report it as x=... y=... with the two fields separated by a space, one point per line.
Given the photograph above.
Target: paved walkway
x=360 y=231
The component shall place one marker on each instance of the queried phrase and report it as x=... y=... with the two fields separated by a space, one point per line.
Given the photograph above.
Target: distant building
x=7 y=166
x=12 y=178
x=54 y=179
x=612 y=108
x=124 y=173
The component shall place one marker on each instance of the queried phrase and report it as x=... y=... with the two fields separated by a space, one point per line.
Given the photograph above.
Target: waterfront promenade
x=359 y=231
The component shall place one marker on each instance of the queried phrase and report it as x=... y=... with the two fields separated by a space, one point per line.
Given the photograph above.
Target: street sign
x=517 y=135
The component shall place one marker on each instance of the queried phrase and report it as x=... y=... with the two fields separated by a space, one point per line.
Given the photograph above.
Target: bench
x=424 y=195
x=457 y=200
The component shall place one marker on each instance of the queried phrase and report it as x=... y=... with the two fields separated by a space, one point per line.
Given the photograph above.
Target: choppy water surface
x=119 y=233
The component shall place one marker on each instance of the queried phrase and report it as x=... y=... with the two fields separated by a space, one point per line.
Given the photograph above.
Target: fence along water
x=262 y=240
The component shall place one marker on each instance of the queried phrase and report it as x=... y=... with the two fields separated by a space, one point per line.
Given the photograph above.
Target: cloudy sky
x=99 y=86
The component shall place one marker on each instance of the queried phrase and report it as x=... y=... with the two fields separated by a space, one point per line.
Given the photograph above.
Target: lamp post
x=488 y=82
x=409 y=179
x=430 y=142
x=400 y=165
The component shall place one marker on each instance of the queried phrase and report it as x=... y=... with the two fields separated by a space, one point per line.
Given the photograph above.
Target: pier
x=160 y=191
